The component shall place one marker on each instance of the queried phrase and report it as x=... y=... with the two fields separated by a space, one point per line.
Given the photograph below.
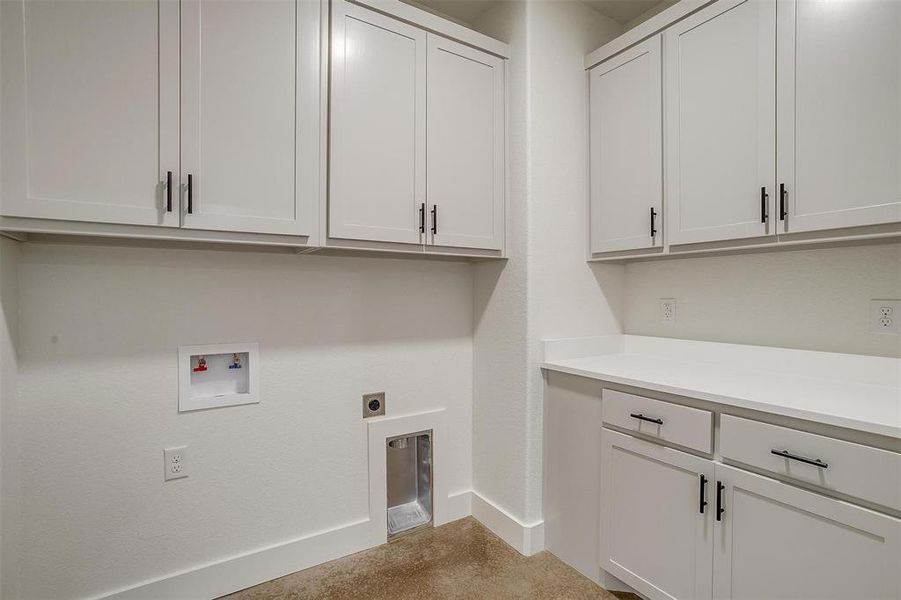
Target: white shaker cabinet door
x=250 y=106
x=777 y=541
x=626 y=129
x=90 y=126
x=720 y=109
x=378 y=127
x=839 y=96
x=656 y=535
x=465 y=147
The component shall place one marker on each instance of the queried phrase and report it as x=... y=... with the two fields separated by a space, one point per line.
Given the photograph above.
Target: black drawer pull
x=190 y=193
x=422 y=218
x=782 y=194
x=641 y=417
x=434 y=219
x=653 y=222
x=703 y=493
x=764 y=200
x=719 y=500
x=168 y=191
x=810 y=461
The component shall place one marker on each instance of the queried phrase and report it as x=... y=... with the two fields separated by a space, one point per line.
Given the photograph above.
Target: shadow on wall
x=486 y=277
x=610 y=280
x=80 y=302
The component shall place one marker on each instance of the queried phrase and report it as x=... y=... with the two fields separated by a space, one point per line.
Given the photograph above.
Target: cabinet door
x=656 y=535
x=250 y=106
x=720 y=103
x=778 y=541
x=90 y=127
x=626 y=129
x=839 y=95
x=377 y=183
x=465 y=147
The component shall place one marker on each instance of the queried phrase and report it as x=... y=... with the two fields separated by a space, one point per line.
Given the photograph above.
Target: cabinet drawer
x=668 y=422
x=861 y=471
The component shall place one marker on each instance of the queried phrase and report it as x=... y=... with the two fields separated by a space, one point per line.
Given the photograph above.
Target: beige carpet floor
x=458 y=560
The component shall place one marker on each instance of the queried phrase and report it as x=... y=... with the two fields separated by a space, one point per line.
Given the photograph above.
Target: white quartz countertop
x=862 y=393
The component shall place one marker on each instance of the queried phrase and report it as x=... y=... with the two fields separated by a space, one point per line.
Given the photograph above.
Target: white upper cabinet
x=720 y=122
x=839 y=95
x=416 y=135
x=777 y=541
x=657 y=532
x=250 y=106
x=465 y=147
x=90 y=127
x=378 y=127
x=626 y=156
x=123 y=103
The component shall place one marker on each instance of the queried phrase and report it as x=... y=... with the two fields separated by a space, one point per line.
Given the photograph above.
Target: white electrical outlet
x=668 y=310
x=885 y=316
x=175 y=462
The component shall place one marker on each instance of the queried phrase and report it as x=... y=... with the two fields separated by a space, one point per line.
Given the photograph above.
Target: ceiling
x=622 y=11
x=467 y=11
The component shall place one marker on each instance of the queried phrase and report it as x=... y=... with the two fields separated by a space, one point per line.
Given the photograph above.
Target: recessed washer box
x=216 y=375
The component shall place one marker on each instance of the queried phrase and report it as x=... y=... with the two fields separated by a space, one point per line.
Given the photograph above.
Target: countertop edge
x=775 y=409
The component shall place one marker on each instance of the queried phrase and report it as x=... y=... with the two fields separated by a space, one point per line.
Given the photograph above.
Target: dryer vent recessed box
x=217 y=375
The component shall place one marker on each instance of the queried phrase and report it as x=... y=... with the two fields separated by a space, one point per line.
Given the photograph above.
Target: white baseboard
x=526 y=539
x=459 y=505
x=242 y=571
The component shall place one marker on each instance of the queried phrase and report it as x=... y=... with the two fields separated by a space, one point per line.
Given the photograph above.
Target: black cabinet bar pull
x=782 y=194
x=168 y=191
x=763 y=202
x=434 y=219
x=641 y=417
x=422 y=218
x=719 y=500
x=190 y=194
x=810 y=461
x=653 y=222
x=703 y=493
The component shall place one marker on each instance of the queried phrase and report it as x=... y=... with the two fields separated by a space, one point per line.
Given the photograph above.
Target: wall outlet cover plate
x=175 y=462
x=885 y=316
x=668 y=310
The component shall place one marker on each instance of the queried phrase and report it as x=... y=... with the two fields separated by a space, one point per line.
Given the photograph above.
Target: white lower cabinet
x=774 y=540
x=755 y=537
x=656 y=531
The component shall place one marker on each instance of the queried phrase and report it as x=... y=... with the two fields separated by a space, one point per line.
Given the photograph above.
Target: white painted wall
x=99 y=331
x=546 y=289
x=809 y=299
x=9 y=430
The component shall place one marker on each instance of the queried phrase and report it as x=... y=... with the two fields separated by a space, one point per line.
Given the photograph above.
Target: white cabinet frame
x=677 y=231
x=701 y=545
x=305 y=125
x=18 y=200
x=341 y=223
x=872 y=527
x=624 y=203
x=473 y=234
x=802 y=212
